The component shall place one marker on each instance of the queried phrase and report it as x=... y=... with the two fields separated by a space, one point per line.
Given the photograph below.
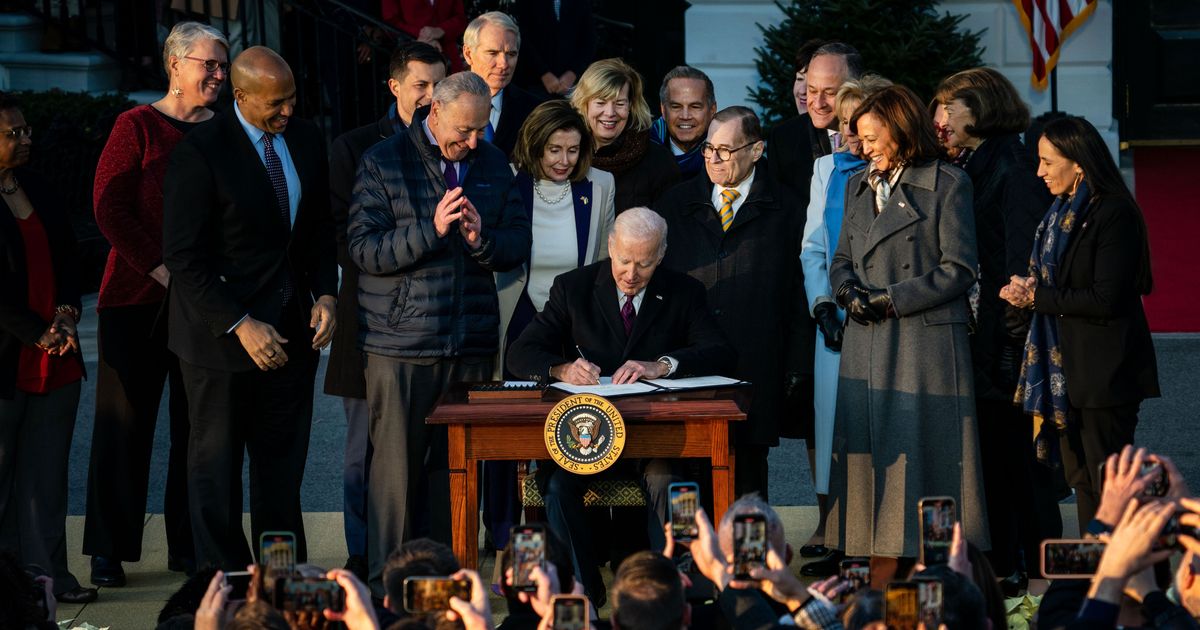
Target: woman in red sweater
x=134 y=359
x=439 y=23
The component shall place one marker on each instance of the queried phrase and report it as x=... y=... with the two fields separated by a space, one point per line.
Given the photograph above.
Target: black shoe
x=1012 y=585
x=79 y=595
x=180 y=564
x=824 y=567
x=814 y=551
x=105 y=572
x=358 y=566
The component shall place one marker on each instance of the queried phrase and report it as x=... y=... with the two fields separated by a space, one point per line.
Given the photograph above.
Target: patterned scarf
x=882 y=183
x=1042 y=387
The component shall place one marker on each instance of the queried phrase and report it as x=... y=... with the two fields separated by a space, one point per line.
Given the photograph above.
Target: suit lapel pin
x=584 y=199
x=658 y=297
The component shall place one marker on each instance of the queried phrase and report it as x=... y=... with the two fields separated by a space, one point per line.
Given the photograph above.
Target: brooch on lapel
x=584 y=199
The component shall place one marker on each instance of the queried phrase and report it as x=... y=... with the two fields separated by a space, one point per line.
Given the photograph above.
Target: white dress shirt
x=743 y=189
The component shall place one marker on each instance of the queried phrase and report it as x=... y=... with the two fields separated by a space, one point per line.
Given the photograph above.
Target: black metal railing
x=339 y=85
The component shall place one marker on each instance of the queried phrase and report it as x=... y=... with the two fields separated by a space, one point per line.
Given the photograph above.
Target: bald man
x=248 y=238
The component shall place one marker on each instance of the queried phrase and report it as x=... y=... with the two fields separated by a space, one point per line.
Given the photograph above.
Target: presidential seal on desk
x=584 y=434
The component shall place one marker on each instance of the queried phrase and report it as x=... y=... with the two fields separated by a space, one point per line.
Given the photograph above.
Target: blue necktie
x=279 y=183
x=451 y=175
x=489 y=132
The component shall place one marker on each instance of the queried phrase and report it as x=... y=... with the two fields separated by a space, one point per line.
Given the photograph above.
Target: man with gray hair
x=435 y=213
x=491 y=44
x=688 y=104
x=629 y=319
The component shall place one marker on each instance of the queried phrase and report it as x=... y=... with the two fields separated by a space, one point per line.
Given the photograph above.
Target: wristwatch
x=667 y=365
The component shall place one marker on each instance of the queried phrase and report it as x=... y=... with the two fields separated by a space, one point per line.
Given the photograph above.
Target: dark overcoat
x=755 y=287
x=905 y=424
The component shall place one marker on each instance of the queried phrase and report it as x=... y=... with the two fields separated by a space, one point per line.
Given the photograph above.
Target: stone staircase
x=23 y=66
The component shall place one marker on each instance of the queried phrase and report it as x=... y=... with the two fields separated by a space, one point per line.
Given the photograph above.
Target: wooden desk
x=674 y=425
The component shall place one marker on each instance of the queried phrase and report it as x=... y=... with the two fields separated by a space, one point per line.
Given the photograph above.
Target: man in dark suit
x=560 y=41
x=797 y=142
x=414 y=69
x=491 y=44
x=248 y=239
x=738 y=232
x=628 y=319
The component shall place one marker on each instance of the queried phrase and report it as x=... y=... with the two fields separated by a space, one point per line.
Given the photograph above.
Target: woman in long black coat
x=609 y=97
x=1089 y=360
x=983 y=114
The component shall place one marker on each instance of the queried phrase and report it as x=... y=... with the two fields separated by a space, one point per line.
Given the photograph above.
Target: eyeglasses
x=708 y=150
x=18 y=132
x=211 y=65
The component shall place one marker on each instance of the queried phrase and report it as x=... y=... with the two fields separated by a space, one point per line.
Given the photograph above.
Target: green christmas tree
x=907 y=41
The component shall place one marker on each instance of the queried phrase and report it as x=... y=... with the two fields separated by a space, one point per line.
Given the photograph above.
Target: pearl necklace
x=566 y=190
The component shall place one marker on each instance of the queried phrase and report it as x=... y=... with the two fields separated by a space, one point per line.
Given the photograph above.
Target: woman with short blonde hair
x=609 y=97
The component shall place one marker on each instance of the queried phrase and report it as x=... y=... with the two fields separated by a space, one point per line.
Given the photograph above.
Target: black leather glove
x=852 y=296
x=826 y=316
x=881 y=304
x=1008 y=365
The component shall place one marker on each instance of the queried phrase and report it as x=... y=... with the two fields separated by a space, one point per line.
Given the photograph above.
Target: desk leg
x=721 y=454
x=464 y=519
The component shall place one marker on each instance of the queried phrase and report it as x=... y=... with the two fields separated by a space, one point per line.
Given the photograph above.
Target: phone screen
x=685 y=500
x=902 y=605
x=277 y=554
x=304 y=594
x=749 y=543
x=1070 y=558
x=529 y=552
x=929 y=602
x=856 y=571
x=431 y=594
x=570 y=612
x=1161 y=484
x=937 y=529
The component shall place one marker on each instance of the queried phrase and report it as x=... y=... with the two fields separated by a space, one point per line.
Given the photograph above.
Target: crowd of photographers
x=1145 y=527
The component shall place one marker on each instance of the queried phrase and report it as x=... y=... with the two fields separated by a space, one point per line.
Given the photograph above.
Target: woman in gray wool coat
x=905 y=425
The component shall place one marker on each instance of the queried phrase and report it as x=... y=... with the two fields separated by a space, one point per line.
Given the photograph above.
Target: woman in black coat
x=40 y=365
x=609 y=97
x=982 y=115
x=1089 y=359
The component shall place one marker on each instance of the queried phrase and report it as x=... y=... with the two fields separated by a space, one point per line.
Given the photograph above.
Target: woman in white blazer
x=571 y=209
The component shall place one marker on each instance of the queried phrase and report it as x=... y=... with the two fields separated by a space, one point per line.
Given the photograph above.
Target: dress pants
x=1008 y=458
x=750 y=472
x=1091 y=436
x=409 y=489
x=133 y=368
x=356 y=462
x=268 y=414
x=35 y=446
x=567 y=517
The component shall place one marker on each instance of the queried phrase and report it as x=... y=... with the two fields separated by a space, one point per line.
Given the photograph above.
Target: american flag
x=1048 y=23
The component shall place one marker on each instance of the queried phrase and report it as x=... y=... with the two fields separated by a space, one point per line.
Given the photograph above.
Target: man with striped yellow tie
x=738 y=232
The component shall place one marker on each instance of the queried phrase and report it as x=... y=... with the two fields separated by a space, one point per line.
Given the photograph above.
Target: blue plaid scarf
x=1042 y=388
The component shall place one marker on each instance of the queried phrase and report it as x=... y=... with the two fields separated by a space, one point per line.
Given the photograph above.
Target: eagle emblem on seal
x=585 y=434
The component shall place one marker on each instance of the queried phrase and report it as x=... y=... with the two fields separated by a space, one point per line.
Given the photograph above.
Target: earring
x=178 y=93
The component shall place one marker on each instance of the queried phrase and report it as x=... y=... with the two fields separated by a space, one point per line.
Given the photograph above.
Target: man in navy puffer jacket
x=435 y=213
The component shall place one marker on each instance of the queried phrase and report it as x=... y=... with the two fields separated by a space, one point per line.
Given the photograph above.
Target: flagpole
x=1054 y=89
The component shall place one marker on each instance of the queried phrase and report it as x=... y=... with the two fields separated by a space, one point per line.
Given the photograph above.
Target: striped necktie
x=279 y=183
x=728 y=196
